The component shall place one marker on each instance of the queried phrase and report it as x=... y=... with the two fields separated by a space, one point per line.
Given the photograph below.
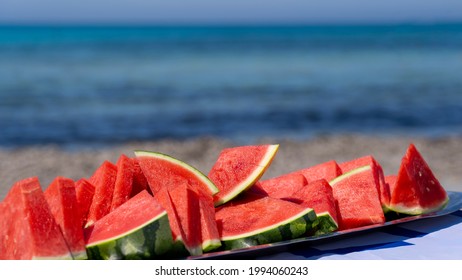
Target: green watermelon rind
x=416 y=210
x=291 y=228
x=148 y=241
x=326 y=224
x=252 y=178
x=196 y=172
x=210 y=245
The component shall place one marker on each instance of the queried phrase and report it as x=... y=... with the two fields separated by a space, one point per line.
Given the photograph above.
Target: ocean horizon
x=87 y=85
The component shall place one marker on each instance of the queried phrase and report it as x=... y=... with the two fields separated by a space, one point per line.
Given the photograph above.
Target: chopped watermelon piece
x=186 y=206
x=357 y=198
x=238 y=168
x=416 y=190
x=319 y=196
x=209 y=229
x=104 y=181
x=253 y=219
x=62 y=200
x=138 y=229
x=383 y=188
x=164 y=199
x=84 y=191
x=123 y=182
x=33 y=233
x=281 y=186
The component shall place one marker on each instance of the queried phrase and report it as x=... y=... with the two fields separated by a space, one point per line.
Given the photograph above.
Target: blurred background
x=104 y=72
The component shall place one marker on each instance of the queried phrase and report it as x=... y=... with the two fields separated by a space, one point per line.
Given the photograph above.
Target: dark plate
x=454 y=204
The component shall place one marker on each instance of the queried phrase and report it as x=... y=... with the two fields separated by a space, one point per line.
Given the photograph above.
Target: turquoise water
x=90 y=85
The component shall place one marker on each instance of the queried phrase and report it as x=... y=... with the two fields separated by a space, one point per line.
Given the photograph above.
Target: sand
x=443 y=155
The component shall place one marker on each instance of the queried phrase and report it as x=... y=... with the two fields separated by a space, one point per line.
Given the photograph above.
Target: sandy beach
x=46 y=162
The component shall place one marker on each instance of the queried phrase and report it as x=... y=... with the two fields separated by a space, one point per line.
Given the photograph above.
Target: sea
x=81 y=85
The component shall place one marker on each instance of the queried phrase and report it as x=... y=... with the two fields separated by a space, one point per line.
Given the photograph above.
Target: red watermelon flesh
x=186 y=206
x=416 y=190
x=104 y=181
x=281 y=186
x=327 y=170
x=317 y=195
x=139 y=180
x=84 y=191
x=164 y=199
x=4 y=225
x=136 y=212
x=209 y=231
x=62 y=199
x=383 y=188
x=33 y=233
x=390 y=180
x=123 y=183
x=238 y=168
x=357 y=198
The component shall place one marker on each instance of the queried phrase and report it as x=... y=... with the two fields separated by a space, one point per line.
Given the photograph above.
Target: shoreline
x=49 y=161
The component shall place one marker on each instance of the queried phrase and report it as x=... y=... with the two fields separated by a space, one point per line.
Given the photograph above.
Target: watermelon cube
x=62 y=199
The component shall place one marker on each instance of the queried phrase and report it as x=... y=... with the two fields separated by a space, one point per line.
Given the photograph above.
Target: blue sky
x=237 y=11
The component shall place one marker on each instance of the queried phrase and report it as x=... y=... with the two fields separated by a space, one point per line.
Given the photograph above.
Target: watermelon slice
x=357 y=198
x=390 y=180
x=162 y=171
x=209 y=229
x=84 y=191
x=104 y=181
x=416 y=190
x=319 y=196
x=123 y=182
x=253 y=219
x=62 y=199
x=238 y=168
x=281 y=186
x=186 y=206
x=383 y=188
x=138 y=229
x=33 y=233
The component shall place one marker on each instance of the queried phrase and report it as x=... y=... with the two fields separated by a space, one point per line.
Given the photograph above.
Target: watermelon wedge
x=162 y=171
x=124 y=181
x=209 y=229
x=84 y=191
x=187 y=210
x=253 y=219
x=319 y=196
x=104 y=181
x=383 y=188
x=390 y=180
x=138 y=229
x=416 y=190
x=238 y=168
x=357 y=198
x=62 y=200
x=33 y=233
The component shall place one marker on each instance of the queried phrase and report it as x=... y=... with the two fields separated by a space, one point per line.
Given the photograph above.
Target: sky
x=234 y=12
